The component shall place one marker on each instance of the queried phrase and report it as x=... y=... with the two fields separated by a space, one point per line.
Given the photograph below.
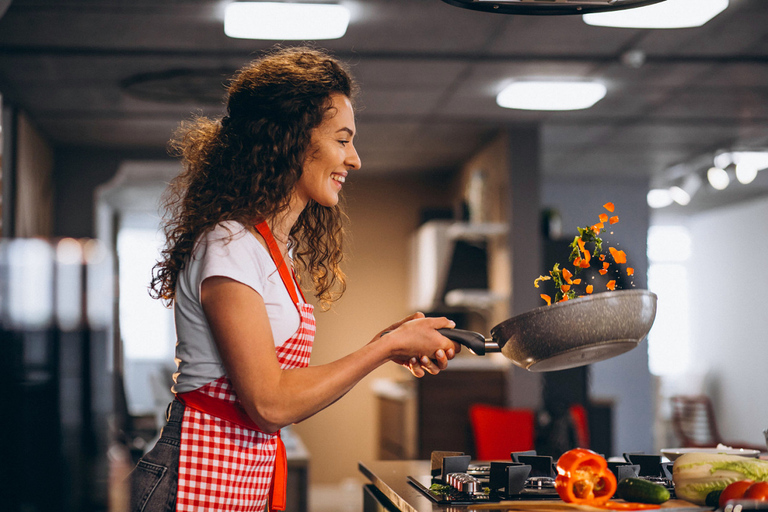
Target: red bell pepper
x=583 y=478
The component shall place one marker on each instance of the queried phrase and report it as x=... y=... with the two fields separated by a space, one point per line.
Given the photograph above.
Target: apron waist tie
x=232 y=412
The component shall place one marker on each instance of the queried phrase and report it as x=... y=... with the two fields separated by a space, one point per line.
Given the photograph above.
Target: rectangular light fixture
x=666 y=14
x=551 y=95
x=283 y=21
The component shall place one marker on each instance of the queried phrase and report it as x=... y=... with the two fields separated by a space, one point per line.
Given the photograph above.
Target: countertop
x=391 y=478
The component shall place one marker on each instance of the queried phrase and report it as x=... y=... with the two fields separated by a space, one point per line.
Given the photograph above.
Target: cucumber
x=638 y=490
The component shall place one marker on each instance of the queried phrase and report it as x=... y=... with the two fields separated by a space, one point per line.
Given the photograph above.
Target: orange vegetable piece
x=618 y=256
x=606 y=265
x=627 y=506
x=609 y=207
x=565 y=287
x=587 y=256
x=602 y=271
x=567 y=276
x=614 y=219
x=584 y=264
x=597 y=227
x=603 y=217
x=580 y=242
x=577 y=262
x=602 y=257
x=630 y=271
x=583 y=478
x=590 y=288
x=547 y=298
x=611 y=285
x=565 y=298
x=576 y=281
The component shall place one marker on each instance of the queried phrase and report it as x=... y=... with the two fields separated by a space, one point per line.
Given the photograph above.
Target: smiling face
x=330 y=157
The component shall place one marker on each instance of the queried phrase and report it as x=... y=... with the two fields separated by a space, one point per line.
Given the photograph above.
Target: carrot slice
x=614 y=219
x=609 y=207
x=611 y=285
x=547 y=298
x=590 y=288
x=630 y=271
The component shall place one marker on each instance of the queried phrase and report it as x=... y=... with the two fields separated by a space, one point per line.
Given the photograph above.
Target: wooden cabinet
x=444 y=400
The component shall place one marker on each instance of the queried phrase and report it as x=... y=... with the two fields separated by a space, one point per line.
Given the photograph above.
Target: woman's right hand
x=418 y=345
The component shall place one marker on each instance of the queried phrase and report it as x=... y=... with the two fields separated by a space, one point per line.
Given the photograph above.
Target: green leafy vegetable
x=695 y=475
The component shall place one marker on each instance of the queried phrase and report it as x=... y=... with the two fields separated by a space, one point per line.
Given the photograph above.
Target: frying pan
x=568 y=334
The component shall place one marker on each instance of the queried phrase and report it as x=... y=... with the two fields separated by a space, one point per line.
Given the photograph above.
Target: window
x=669 y=248
x=146 y=325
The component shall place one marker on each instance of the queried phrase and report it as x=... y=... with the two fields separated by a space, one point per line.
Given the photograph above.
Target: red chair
x=581 y=423
x=499 y=431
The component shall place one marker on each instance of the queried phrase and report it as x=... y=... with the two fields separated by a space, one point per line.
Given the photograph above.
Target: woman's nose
x=353 y=159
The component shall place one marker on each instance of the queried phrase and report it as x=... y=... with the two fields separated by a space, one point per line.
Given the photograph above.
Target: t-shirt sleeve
x=237 y=256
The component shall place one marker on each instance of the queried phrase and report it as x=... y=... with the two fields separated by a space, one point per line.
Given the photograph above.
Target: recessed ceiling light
x=550 y=95
x=282 y=21
x=667 y=14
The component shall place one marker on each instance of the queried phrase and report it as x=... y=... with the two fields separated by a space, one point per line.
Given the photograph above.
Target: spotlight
x=659 y=198
x=718 y=178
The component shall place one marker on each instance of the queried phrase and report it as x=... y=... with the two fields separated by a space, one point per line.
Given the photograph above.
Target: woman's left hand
x=420 y=365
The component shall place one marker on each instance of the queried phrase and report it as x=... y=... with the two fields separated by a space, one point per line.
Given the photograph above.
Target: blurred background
x=456 y=194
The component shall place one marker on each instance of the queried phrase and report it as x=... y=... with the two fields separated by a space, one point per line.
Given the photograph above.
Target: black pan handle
x=474 y=341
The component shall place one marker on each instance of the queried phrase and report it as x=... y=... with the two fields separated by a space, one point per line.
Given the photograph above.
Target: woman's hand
x=418 y=345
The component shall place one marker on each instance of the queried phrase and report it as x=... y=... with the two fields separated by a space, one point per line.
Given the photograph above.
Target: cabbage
x=697 y=474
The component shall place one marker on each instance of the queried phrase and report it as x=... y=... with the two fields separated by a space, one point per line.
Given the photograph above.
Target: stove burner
x=526 y=477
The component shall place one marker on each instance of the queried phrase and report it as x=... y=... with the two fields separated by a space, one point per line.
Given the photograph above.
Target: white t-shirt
x=232 y=251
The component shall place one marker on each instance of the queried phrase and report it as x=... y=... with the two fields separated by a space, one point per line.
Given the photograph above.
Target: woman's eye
x=344 y=142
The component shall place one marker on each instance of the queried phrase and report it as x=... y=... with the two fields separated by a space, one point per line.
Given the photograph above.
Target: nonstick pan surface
x=568 y=334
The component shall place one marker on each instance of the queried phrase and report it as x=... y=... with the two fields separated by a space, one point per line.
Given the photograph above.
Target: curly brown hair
x=244 y=166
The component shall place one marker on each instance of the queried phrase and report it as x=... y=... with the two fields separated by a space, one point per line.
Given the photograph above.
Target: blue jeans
x=154 y=480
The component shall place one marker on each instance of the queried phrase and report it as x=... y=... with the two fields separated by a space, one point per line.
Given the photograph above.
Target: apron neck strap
x=277 y=257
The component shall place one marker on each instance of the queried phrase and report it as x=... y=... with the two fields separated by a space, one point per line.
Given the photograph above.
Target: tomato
x=734 y=491
x=757 y=491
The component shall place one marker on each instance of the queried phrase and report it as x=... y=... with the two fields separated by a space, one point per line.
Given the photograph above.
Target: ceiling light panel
x=283 y=21
x=551 y=95
x=666 y=14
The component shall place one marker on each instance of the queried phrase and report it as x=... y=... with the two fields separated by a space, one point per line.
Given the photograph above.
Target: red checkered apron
x=226 y=463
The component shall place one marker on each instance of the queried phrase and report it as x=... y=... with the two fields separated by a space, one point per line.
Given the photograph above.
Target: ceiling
x=121 y=75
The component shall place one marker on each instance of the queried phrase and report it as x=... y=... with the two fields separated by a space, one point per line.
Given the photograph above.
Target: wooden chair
x=499 y=431
x=693 y=419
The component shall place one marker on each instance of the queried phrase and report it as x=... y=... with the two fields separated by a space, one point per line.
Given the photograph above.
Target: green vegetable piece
x=638 y=490
x=713 y=498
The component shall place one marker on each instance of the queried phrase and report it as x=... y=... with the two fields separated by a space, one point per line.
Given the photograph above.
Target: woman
x=259 y=195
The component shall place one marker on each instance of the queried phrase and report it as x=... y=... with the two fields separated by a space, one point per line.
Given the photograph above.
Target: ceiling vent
x=551 y=7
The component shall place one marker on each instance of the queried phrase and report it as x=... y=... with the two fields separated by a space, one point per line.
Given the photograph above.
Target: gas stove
x=456 y=480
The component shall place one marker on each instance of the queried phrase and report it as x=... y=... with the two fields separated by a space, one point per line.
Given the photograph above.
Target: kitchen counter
x=390 y=491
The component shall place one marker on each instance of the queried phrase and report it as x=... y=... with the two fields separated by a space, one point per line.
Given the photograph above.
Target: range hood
x=449 y=266
x=551 y=7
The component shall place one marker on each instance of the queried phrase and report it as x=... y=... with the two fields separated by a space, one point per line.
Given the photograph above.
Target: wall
x=625 y=380
x=79 y=172
x=383 y=213
x=729 y=332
